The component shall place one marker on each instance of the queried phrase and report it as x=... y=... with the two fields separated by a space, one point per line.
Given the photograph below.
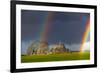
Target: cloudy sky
x=66 y=27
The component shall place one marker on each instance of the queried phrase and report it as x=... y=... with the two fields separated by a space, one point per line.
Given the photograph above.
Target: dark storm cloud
x=31 y=22
x=66 y=27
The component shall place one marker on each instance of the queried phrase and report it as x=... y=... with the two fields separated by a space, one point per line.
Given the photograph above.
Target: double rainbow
x=46 y=26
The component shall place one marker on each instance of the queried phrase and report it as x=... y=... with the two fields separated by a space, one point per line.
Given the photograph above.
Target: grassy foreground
x=56 y=57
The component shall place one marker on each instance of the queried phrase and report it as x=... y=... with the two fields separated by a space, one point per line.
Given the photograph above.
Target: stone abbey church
x=43 y=48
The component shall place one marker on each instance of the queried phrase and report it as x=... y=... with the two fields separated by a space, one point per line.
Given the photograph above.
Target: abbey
x=43 y=48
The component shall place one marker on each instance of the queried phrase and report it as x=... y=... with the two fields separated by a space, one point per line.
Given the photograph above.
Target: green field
x=55 y=57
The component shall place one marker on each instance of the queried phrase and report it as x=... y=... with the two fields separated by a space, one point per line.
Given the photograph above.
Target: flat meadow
x=55 y=57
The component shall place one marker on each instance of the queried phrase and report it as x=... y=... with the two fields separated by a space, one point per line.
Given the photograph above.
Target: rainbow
x=85 y=34
x=45 y=26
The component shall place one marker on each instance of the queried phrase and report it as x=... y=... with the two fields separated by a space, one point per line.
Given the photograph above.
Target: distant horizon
x=72 y=47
